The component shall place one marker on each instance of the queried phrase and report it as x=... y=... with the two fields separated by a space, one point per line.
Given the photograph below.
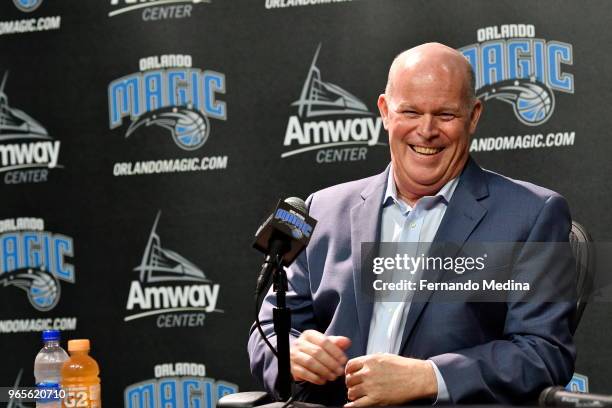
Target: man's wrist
x=430 y=388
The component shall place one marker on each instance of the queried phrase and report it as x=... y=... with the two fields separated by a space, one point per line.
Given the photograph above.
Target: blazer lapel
x=462 y=215
x=365 y=227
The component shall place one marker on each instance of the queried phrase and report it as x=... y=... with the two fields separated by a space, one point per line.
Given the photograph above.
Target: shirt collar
x=391 y=196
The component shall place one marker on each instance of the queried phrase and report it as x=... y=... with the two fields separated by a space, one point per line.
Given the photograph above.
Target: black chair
x=584 y=253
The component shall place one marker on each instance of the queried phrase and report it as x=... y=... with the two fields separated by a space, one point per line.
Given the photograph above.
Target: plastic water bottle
x=47 y=367
x=80 y=377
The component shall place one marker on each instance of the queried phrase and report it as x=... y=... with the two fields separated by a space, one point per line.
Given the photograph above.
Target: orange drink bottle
x=80 y=377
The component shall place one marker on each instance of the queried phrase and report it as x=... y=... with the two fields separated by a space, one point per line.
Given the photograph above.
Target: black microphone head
x=287 y=231
x=298 y=203
x=547 y=396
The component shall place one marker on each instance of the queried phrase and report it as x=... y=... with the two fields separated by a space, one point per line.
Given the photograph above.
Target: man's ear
x=383 y=108
x=475 y=116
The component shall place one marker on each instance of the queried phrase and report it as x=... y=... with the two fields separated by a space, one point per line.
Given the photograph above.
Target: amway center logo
x=13 y=402
x=170 y=286
x=348 y=122
x=154 y=10
x=34 y=260
x=27 y=152
x=514 y=67
x=178 y=385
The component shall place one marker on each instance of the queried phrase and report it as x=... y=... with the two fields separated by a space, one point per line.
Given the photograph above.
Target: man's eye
x=446 y=116
x=411 y=113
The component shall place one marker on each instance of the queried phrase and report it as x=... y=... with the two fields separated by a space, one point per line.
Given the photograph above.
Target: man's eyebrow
x=453 y=108
x=449 y=108
x=406 y=105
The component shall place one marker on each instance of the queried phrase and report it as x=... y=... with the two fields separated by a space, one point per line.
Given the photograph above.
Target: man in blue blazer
x=351 y=350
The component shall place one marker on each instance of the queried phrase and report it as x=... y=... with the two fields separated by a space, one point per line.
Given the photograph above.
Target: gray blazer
x=486 y=352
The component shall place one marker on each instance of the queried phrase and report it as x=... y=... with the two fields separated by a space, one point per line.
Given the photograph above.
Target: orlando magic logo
x=189 y=128
x=42 y=287
x=578 y=383
x=179 y=100
x=522 y=72
x=533 y=103
x=33 y=260
x=177 y=385
x=296 y=222
x=27 y=5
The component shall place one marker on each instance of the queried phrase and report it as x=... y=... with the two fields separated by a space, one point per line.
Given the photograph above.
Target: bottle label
x=47 y=392
x=82 y=397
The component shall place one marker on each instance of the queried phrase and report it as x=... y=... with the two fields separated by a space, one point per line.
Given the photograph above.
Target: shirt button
x=413 y=225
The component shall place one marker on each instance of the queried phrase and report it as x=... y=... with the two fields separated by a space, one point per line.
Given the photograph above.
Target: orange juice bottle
x=80 y=377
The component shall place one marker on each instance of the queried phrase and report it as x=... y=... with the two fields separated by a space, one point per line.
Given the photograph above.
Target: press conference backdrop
x=143 y=142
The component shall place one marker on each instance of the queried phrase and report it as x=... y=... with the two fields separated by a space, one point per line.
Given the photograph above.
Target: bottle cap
x=50 y=335
x=78 y=345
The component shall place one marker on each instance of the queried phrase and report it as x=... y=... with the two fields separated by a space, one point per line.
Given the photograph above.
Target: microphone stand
x=281 y=316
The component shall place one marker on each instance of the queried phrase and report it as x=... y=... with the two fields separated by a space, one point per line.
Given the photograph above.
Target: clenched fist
x=388 y=379
x=318 y=358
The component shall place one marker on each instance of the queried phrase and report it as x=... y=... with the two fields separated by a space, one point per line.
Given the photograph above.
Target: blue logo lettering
x=180 y=100
x=523 y=72
x=140 y=93
x=299 y=226
x=177 y=392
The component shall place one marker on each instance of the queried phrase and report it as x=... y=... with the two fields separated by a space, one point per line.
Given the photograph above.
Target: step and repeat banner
x=143 y=142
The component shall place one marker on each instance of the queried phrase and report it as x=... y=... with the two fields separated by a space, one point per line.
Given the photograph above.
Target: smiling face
x=430 y=115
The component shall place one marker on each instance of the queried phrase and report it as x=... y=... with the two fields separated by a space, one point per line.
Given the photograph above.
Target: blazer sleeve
x=537 y=348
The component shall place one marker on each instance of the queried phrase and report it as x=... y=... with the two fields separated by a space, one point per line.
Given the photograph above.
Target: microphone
x=560 y=397
x=283 y=236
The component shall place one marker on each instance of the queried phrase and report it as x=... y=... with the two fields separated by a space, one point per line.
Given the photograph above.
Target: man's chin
x=425 y=187
x=427 y=182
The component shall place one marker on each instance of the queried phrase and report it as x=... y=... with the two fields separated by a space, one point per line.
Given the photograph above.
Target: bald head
x=431 y=57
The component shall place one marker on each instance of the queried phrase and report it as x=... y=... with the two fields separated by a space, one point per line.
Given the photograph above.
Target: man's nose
x=427 y=126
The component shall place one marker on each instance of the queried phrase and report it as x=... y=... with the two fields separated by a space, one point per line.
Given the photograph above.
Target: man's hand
x=388 y=379
x=318 y=358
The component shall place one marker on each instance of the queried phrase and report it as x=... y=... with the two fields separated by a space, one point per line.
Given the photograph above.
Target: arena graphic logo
x=27 y=5
x=514 y=67
x=34 y=260
x=170 y=94
x=13 y=402
x=155 y=10
x=178 y=385
x=171 y=287
x=348 y=122
x=27 y=152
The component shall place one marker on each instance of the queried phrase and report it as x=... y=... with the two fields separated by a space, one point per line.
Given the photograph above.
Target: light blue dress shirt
x=403 y=223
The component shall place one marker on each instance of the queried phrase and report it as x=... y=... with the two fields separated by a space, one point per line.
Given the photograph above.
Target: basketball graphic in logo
x=191 y=130
x=27 y=5
x=534 y=104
